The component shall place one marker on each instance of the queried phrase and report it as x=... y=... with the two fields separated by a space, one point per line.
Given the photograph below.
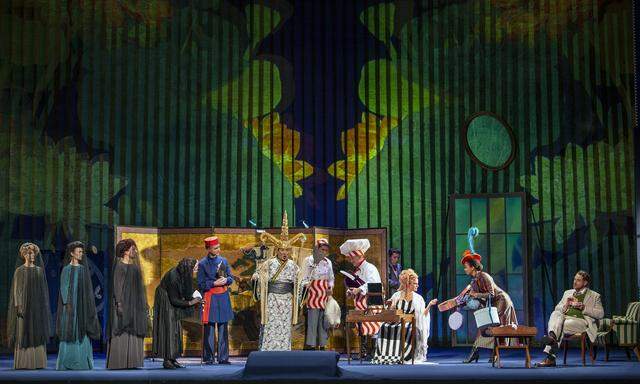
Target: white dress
x=388 y=347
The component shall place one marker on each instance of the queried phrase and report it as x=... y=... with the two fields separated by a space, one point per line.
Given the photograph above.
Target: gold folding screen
x=161 y=248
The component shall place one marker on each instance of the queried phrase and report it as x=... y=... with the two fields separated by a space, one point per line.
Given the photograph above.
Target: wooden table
x=523 y=333
x=386 y=316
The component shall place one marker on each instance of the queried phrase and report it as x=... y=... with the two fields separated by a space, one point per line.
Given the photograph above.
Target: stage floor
x=444 y=366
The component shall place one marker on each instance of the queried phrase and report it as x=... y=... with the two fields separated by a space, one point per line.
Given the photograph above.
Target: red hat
x=468 y=255
x=322 y=242
x=211 y=241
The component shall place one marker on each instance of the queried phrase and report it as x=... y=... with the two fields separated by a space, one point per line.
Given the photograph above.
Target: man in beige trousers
x=577 y=312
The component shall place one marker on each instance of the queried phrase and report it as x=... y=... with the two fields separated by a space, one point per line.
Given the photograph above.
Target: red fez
x=321 y=242
x=211 y=241
x=467 y=255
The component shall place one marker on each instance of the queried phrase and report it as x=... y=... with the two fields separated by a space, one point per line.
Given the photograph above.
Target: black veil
x=127 y=284
x=29 y=301
x=87 y=319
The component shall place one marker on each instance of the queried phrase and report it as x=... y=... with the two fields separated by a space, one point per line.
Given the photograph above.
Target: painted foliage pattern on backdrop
x=347 y=114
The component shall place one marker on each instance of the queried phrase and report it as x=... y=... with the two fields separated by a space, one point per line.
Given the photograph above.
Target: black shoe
x=177 y=365
x=547 y=362
x=473 y=356
x=226 y=362
x=168 y=365
x=549 y=340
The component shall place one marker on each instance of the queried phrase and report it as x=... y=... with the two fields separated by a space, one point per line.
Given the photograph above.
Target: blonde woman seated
x=388 y=348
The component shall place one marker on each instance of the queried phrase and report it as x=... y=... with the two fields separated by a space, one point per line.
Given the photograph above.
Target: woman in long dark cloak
x=128 y=322
x=173 y=302
x=77 y=321
x=28 y=319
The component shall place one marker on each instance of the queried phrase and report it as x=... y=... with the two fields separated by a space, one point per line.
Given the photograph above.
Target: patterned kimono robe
x=278 y=296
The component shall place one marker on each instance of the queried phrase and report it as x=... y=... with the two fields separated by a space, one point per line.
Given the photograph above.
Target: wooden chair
x=584 y=339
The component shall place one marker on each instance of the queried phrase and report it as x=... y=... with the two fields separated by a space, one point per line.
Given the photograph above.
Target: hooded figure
x=76 y=320
x=28 y=319
x=128 y=322
x=173 y=302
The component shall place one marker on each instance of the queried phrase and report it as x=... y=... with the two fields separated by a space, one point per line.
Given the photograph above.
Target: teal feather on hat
x=473 y=232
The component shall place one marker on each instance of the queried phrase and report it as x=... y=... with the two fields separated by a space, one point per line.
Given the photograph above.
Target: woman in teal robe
x=77 y=321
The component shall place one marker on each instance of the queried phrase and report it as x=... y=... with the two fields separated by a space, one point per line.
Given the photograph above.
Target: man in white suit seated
x=577 y=312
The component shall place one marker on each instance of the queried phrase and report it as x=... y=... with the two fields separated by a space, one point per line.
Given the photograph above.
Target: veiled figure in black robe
x=76 y=320
x=29 y=317
x=173 y=302
x=128 y=322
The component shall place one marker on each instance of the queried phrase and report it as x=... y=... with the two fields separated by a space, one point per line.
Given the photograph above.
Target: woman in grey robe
x=28 y=319
x=129 y=321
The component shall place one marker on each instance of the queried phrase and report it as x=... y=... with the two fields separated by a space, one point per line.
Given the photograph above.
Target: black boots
x=473 y=356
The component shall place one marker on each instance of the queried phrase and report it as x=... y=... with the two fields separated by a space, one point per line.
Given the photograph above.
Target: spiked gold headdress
x=284 y=241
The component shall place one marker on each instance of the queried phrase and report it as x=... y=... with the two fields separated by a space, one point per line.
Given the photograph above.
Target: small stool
x=583 y=346
x=523 y=333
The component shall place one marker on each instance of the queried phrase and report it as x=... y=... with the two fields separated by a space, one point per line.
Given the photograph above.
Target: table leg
x=495 y=349
x=413 y=340
x=498 y=356
x=526 y=350
x=346 y=335
x=402 y=349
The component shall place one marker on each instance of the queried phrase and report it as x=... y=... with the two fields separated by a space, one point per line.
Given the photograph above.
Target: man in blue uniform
x=214 y=279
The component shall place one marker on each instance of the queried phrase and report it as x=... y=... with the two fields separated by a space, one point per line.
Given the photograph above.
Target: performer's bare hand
x=19 y=311
x=577 y=305
x=254 y=277
x=220 y=282
x=473 y=294
x=119 y=308
x=354 y=291
x=431 y=304
x=329 y=292
x=195 y=268
x=195 y=301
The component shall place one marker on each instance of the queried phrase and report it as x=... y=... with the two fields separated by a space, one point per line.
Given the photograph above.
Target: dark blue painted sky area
x=327 y=46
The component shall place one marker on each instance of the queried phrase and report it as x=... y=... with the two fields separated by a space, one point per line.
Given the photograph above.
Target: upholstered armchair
x=622 y=332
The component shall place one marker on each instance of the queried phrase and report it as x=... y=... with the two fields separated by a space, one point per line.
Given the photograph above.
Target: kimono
x=77 y=321
x=278 y=294
x=388 y=347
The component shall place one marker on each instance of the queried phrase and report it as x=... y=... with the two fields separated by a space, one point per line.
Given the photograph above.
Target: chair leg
x=565 y=345
x=595 y=351
x=592 y=355
x=636 y=349
x=582 y=350
x=606 y=352
x=626 y=350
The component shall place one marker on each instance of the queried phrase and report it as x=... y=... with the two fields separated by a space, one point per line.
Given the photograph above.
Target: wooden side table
x=523 y=333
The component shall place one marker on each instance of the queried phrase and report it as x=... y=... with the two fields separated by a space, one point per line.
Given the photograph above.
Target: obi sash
x=317 y=294
x=207 y=301
x=280 y=287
